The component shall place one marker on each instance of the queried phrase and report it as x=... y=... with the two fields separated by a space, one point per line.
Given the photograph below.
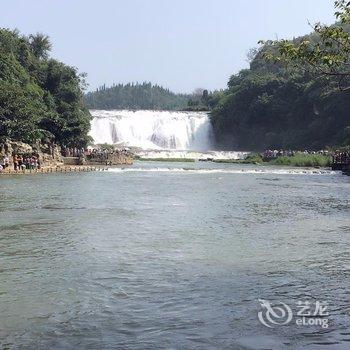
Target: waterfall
x=152 y=129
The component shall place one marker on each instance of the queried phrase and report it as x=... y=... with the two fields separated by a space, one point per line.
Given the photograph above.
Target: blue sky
x=180 y=44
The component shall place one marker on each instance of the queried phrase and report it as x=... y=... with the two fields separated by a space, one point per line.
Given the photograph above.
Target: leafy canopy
x=40 y=97
x=326 y=53
x=290 y=96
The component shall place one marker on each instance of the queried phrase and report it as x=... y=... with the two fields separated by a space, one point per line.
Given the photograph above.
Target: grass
x=303 y=160
x=253 y=158
x=298 y=160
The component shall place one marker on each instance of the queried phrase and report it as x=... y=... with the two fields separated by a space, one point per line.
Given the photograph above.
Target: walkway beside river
x=54 y=169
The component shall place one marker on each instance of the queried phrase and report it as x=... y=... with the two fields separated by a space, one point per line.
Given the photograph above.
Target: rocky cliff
x=48 y=154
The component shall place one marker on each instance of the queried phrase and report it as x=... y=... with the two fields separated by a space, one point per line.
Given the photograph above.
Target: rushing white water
x=265 y=171
x=155 y=130
x=204 y=155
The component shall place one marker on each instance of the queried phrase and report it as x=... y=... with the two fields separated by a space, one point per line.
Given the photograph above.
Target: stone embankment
x=56 y=169
x=20 y=158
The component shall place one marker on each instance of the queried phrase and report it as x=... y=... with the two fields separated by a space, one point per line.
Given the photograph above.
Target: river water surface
x=172 y=256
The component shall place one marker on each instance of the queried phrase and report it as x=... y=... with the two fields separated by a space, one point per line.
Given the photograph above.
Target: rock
x=81 y=160
x=48 y=153
x=117 y=157
x=6 y=149
x=21 y=147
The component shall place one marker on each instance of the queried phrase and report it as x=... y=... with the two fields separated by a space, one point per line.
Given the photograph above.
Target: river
x=172 y=256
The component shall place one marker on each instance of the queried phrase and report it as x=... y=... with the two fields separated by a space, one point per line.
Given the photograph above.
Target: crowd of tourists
x=104 y=155
x=100 y=153
x=72 y=152
x=341 y=157
x=97 y=155
x=91 y=152
x=272 y=154
x=20 y=162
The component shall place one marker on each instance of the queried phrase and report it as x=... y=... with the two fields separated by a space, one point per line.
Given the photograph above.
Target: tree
x=21 y=110
x=40 y=45
x=133 y=96
x=326 y=53
x=39 y=97
x=198 y=92
x=205 y=97
x=277 y=105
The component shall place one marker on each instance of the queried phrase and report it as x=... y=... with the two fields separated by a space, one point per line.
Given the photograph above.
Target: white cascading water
x=155 y=130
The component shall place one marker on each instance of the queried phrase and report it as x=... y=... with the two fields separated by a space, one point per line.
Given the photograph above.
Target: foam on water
x=152 y=154
x=227 y=171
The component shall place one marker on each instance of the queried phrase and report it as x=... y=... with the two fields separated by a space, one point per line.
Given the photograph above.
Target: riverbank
x=297 y=160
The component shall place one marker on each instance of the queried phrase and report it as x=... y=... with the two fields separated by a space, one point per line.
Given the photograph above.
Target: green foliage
x=304 y=160
x=326 y=52
x=273 y=105
x=21 y=109
x=298 y=160
x=254 y=158
x=40 y=45
x=39 y=97
x=135 y=96
x=148 y=96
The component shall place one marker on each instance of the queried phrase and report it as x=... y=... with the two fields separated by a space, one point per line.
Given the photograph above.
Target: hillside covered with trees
x=149 y=96
x=40 y=97
x=135 y=96
x=278 y=104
